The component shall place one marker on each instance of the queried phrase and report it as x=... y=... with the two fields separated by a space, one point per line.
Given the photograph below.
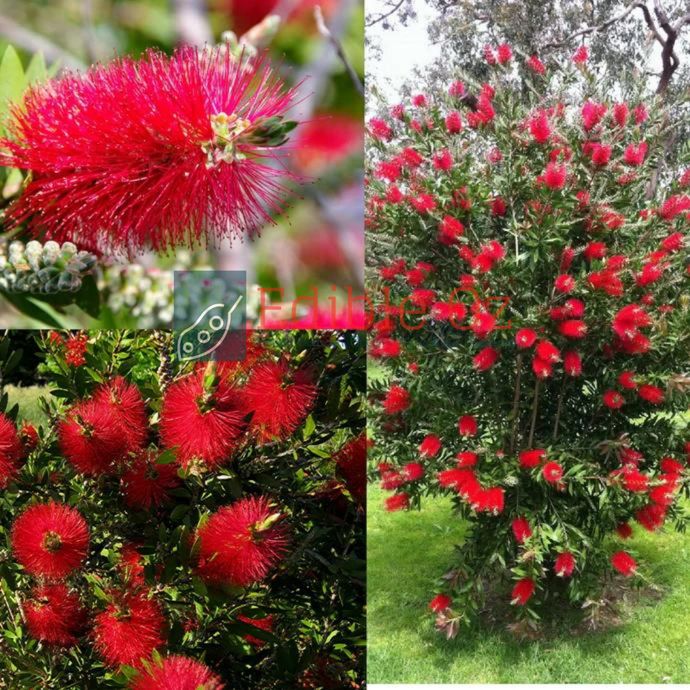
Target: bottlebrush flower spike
x=54 y=615
x=430 y=446
x=158 y=152
x=351 y=465
x=129 y=630
x=624 y=563
x=50 y=540
x=523 y=591
x=10 y=451
x=397 y=502
x=521 y=530
x=178 y=673
x=397 y=400
x=145 y=483
x=440 y=603
x=241 y=543
x=202 y=420
x=564 y=565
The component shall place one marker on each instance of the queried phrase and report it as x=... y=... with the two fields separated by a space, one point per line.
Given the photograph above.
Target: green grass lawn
x=408 y=551
x=27 y=398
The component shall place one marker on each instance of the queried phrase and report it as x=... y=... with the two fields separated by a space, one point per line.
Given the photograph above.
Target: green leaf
x=167 y=457
x=88 y=297
x=28 y=307
x=309 y=427
x=36 y=71
x=12 y=79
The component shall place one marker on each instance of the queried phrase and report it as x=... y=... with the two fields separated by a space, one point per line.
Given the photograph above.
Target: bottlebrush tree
x=184 y=525
x=529 y=266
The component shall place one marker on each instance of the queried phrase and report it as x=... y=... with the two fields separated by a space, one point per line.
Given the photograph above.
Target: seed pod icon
x=207 y=333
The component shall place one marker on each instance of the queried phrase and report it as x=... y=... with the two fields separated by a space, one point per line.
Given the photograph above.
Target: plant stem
x=561 y=395
x=535 y=406
x=516 y=402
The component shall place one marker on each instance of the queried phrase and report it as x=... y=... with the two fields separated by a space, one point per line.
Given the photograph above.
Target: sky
x=402 y=48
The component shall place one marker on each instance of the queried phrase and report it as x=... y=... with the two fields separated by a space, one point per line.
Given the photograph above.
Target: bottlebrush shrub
x=555 y=421
x=185 y=525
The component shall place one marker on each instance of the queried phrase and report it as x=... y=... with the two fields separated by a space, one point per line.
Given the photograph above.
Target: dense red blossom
x=552 y=472
x=467 y=426
x=54 y=615
x=651 y=516
x=400 y=501
x=440 y=602
x=573 y=328
x=466 y=458
x=523 y=591
x=145 y=483
x=536 y=65
x=626 y=380
x=351 y=465
x=572 y=363
x=241 y=543
x=624 y=530
x=50 y=540
x=532 y=458
x=128 y=630
x=10 y=451
x=555 y=176
x=178 y=673
x=128 y=410
x=624 y=563
x=525 y=337
x=651 y=394
x=564 y=565
x=412 y=472
x=613 y=399
x=430 y=446
x=485 y=359
x=202 y=421
x=521 y=529
x=327 y=139
x=279 y=398
x=189 y=142
x=539 y=127
x=397 y=400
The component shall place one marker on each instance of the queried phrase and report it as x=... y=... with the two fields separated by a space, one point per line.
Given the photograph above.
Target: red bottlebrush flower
x=521 y=530
x=398 y=112
x=391 y=480
x=482 y=324
x=651 y=517
x=555 y=175
x=662 y=495
x=620 y=114
x=145 y=483
x=539 y=127
x=504 y=54
x=673 y=243
x=10 y=451
x=411 y=158
x=640 y=114
x=280 y=399
x=75 y=349
x=492 y=500
x=456 y=89
x=536 y=65
x=565 y=283
x=466 y=458
x=651 y=394
x=467 y=426
x=451 y=229
x=397 y=400
x=525 y=338
x=385 y=347
x=498 y=207
x=573 y=329
x=671 y=466
x=131 y=566
x=441 y=311
x=595 y=250
x=440 y=603
x=601 y=154
x=412 y=472
x=419 y=101
x=328 y=139
x=581 y=55
x=634 y=480
x=489 y=55
x=624 y=563
x=180 y=673
x=380 y=129
x=388 y=170
x=541 y=368
x=613 y=399
x=202 y=421
x=454 y=123
x=626 y=380
x=54 y=616
x=50 y=540
x=485 y=359
x=552 y=472
x=547 y=351
x=397 y=502
x=572 y=363
x=624 y=530
x=129 y=630
x=351 y=465
x=523 y=591
x=532 y=458
x=241 y=543
x=634 y=155
x=28 y=436
x=443 y=160
x=128 y=409
x=423 y=203
x=152 y=152
x=456 y=478
x=591 y=114
x=430 y=446
x=564 y=565
x=265 y=624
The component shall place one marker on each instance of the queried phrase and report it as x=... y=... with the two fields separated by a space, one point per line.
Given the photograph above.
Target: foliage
x=563 y=405
x=312 y=598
